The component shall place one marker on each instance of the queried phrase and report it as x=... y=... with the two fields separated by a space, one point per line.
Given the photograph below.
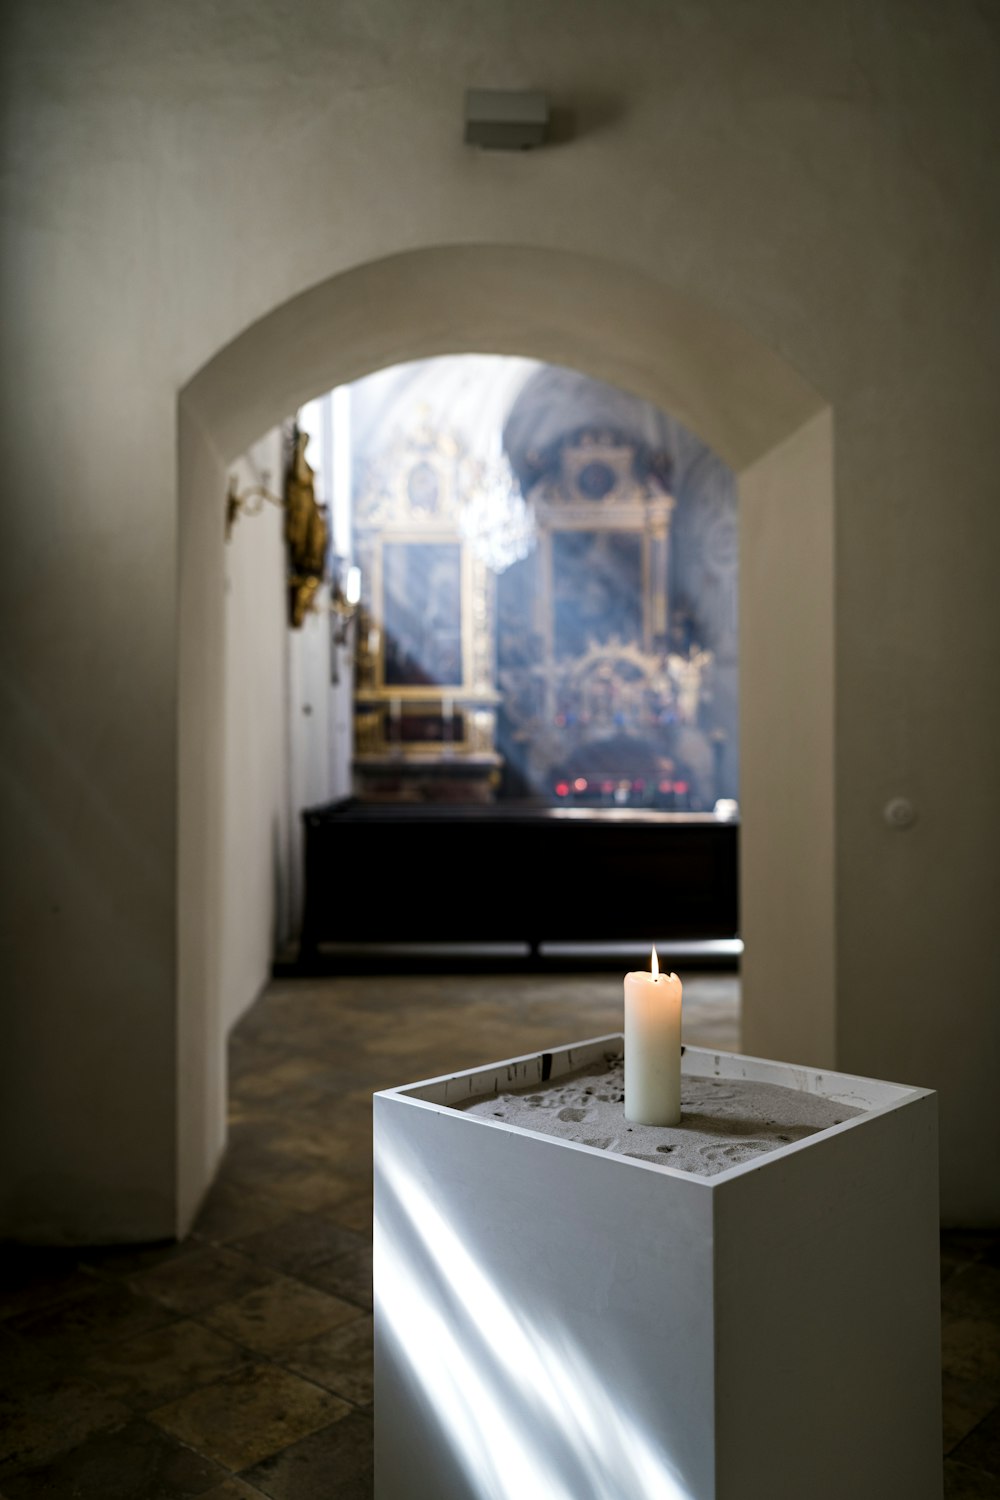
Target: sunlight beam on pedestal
x=527 y=1416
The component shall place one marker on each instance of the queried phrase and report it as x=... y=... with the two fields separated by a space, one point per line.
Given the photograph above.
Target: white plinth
x=558 y=1322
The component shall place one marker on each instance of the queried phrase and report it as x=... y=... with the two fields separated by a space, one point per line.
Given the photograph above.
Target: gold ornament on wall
x=307 y=536
x=306 y=532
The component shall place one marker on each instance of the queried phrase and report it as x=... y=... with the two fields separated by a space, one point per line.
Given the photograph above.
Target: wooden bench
x=518 y=873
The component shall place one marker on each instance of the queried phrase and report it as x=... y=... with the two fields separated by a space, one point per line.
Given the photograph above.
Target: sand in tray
x=724 y=1121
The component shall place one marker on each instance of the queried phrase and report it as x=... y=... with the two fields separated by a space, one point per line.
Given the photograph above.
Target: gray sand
x=724 y=1121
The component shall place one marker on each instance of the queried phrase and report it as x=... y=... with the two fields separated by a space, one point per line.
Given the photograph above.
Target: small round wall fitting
x=899 y=812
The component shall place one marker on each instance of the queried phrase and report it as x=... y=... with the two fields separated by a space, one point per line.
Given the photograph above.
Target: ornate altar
x=600 y=681
x=567 y=677
x=425 y=699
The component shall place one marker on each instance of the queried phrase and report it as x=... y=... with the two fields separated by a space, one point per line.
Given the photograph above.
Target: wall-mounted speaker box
x=505 y=119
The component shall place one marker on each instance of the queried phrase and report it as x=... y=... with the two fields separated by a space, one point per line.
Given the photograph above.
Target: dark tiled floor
x=238 y=1363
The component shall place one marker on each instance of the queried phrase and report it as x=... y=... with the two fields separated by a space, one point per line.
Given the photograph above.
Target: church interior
x=451 y=553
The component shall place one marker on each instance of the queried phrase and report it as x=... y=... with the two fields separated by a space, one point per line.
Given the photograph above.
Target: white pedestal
x=558 y=1322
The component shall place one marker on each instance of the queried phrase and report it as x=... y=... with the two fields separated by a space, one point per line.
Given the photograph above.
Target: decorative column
x=656 y=615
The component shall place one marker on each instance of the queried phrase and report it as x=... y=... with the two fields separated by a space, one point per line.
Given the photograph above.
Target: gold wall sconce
x=248 y=503
x=345 y=596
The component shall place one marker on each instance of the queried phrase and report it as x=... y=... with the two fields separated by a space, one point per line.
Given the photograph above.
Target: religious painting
x=422 y=614
x=597 y=589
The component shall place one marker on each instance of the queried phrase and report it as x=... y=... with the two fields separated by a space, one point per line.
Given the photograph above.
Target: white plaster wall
x=338 y=486
x=194 y=1070
x=282 y=746
x=340 y=749
x=309 y=719
x=788 y=831
x=316 y=704
x=821 y=177
x=257 y=816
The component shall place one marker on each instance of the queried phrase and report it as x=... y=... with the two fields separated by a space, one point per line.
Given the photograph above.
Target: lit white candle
x=652 y=1046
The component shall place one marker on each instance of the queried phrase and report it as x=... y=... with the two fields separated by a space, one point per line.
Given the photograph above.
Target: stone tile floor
x=238 y=1362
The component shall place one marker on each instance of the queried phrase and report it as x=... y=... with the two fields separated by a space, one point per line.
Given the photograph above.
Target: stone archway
x=629 y=330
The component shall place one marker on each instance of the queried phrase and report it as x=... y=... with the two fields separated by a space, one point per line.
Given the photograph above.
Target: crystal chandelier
x=495 y=519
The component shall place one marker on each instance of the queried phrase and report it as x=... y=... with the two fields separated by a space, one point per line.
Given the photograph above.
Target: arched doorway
x=629 y=330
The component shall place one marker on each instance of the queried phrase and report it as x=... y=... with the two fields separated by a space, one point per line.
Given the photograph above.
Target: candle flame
x=654 y=964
